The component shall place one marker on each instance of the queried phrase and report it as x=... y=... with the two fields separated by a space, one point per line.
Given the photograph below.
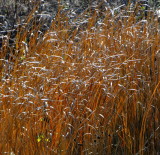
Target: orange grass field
x=89 y=90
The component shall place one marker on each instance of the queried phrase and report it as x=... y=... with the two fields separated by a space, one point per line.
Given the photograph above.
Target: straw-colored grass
x=97 y=95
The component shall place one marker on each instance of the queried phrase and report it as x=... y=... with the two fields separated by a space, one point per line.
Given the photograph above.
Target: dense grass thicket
x=90 y=89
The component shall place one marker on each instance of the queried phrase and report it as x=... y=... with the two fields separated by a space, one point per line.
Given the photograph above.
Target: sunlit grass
x=88 y=90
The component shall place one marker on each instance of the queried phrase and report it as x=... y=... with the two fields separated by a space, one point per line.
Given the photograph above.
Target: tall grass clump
x=86 y=89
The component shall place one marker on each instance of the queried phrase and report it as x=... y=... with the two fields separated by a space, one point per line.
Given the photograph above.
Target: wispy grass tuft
x=90 y=89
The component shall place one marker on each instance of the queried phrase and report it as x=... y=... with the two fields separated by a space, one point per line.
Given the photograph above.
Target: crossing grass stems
x=99 y=95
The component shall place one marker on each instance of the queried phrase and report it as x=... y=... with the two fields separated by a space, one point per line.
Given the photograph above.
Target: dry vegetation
x=92 y=90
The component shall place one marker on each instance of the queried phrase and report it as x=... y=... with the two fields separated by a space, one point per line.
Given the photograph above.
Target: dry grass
x=97 y=95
